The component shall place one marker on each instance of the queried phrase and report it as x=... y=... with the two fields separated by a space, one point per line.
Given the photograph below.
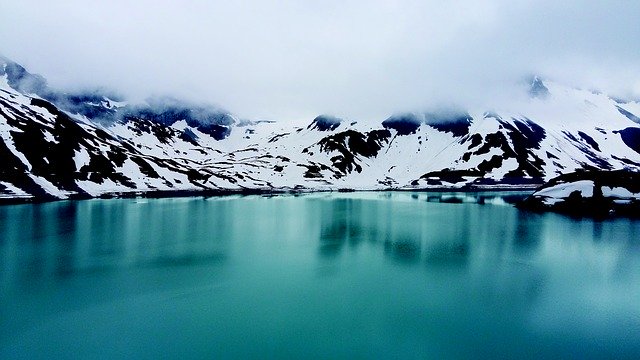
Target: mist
x=359 y=60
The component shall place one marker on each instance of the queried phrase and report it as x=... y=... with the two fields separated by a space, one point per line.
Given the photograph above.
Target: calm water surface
x=360 y=275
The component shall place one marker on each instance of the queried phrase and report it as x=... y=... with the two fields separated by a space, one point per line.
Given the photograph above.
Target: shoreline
x=164 y=194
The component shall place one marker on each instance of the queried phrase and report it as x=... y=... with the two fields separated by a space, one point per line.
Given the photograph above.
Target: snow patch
x=14 y=192
x=49 y=187
x=81 y=158
x=562 y=191
x=619 y=192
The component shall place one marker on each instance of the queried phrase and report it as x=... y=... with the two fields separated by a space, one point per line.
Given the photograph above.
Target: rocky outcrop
x=589 y=193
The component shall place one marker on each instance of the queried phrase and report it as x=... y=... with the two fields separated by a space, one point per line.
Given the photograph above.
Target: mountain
x=60 y=145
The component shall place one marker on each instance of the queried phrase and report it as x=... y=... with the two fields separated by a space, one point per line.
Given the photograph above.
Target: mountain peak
x=20 y=79
x=325 y=123
x=537 y=89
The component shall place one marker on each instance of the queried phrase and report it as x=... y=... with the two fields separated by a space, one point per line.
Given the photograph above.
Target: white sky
x=356 y=59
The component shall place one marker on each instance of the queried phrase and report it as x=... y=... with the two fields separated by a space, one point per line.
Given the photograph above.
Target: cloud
x=356 y=59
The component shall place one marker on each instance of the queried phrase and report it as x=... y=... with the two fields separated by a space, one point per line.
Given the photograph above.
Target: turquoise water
x=356 y=275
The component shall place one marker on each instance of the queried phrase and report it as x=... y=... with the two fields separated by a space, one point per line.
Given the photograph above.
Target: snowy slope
x=58 y=145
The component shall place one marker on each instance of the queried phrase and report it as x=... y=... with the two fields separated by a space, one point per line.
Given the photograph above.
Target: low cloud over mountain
x=360 y=60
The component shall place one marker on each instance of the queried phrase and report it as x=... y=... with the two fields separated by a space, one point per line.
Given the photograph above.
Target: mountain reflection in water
x=331 y=275
x=446 y=237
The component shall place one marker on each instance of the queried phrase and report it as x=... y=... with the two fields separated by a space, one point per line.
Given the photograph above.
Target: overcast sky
x=359 y=59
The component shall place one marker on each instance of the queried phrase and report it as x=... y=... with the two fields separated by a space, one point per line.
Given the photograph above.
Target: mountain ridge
x=54 y=152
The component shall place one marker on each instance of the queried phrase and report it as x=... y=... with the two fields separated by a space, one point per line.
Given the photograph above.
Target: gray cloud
x=357 y=59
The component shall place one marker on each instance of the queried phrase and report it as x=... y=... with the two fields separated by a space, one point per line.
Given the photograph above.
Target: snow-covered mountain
x=60 y=145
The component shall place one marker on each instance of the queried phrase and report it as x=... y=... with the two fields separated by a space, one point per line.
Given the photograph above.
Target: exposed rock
x=325 y=123
x=589 y=193
x=404 y=124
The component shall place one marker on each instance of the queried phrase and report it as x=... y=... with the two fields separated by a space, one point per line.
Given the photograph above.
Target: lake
x=326 y=275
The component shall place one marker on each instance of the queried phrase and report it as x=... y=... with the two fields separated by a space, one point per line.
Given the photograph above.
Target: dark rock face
x=188 y=136
x=169 y=111
x=532 y=133
x=45 y=105
x=597 y=205
x=589 y=140
x=450 y=176
x=631 y=137
x=457 y=124
x=325 y=123
x=628 y=114
x=515 y=142
x=350 y=145
x=314 y=171
x=15 y=172
x=159 y=131
x=589 y=147
x=614 y=178
x=475 y=139
x=524 y=136
x=404 y=124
